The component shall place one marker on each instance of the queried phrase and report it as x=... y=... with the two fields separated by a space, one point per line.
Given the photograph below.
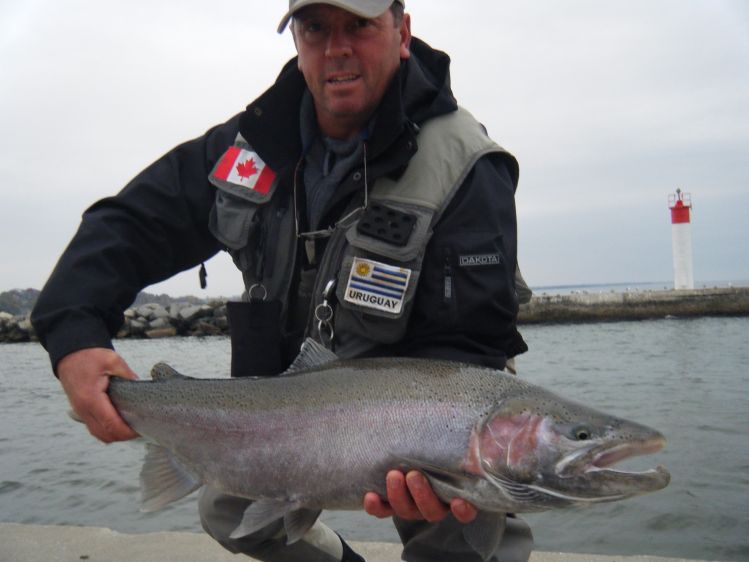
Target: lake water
x=689 y=378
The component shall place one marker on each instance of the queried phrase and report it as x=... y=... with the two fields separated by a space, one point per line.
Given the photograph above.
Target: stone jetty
x=188 y=319
x=635 y=305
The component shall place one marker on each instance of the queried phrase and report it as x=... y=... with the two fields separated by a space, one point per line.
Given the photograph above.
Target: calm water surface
x=688 y=378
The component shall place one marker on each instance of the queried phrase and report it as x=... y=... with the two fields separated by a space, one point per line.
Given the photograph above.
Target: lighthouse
x=681 y=239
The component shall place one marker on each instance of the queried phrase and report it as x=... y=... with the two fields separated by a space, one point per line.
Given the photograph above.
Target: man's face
x=347 y=62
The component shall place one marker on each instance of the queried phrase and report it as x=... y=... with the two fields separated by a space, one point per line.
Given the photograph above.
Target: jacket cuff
x=73 y=335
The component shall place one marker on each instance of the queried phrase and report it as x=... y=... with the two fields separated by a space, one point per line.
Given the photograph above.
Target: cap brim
x=372 y=12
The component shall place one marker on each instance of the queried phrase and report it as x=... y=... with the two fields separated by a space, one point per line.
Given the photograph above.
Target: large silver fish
x=327 y=432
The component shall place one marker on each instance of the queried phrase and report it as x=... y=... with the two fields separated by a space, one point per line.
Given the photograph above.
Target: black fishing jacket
x=158 y=225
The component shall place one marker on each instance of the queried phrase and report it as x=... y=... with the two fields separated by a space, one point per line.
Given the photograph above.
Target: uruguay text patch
x=376 y=285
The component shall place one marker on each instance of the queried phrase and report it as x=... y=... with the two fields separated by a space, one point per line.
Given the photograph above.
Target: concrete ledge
x=613 y=306
x=52 y=543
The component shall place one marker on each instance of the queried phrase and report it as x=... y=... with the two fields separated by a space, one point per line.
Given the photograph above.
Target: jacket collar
x=420 y=90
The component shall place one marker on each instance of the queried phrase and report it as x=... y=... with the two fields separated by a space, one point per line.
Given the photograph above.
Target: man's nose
x=338 y=43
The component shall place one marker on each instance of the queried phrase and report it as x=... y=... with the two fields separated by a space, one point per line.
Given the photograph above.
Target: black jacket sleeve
x=466 y=306
x=154 y=228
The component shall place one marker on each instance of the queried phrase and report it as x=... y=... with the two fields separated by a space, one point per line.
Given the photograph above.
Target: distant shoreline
x=154 y=320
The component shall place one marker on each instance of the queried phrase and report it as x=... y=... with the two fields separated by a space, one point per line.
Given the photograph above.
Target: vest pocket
x=376 y=286
x=375 y=296
x=232 y=219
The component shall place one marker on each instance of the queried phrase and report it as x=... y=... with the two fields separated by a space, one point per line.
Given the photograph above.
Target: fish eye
x=582 y=433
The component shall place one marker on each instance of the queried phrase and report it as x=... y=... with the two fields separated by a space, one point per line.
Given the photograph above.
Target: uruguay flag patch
x=376 y=285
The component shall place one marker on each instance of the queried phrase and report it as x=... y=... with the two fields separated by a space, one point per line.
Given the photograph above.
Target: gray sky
x=608 y=105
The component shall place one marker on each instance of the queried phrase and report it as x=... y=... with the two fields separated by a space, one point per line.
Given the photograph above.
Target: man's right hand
x=84 y=376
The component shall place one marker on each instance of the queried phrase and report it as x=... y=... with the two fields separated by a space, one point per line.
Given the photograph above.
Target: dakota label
x=479 y=260
x=372 y=284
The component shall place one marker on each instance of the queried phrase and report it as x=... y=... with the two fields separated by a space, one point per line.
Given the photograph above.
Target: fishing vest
x=367 y=277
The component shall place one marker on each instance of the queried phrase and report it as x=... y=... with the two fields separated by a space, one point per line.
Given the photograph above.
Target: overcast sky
x=608 y=105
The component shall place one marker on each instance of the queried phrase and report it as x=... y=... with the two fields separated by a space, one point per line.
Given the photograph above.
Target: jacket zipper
x=447 y=274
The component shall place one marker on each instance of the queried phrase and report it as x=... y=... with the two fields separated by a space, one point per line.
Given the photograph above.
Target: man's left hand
x=411 y=497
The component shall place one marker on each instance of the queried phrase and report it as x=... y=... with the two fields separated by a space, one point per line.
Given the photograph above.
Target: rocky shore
x=151 y=320
x=155 y=320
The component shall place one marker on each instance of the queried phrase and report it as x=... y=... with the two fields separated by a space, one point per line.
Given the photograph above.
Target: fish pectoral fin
x=164 y=478
x=163 y=372
x=483 y=534
x=310 y=356
x=298 y=522
x=259 y=514
x=446 y=483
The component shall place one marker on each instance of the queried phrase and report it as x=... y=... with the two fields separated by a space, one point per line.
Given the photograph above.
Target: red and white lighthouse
x=681 y=239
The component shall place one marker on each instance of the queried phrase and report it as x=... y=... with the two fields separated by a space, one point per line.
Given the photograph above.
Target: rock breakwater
x=155 y=320
x=150 y=320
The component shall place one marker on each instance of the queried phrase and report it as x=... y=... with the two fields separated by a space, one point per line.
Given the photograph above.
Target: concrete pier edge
x=59 y=543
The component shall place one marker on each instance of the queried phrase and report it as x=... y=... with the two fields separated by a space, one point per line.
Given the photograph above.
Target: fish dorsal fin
x=163 y=372
x=311 y=355
x=164 y=478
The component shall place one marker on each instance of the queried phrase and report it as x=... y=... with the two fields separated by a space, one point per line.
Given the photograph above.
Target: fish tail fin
x=163 y=372
x=73 y=415
x=164 y=478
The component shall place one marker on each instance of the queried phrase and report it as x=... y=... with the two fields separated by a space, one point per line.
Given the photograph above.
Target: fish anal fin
x=164 y=478
x=163 y=372
x=259 y=514
x=310 y=356
x=298 y=522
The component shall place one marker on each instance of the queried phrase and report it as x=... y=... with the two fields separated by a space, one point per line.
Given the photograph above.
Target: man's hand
x=411 y=497
x=84 y=376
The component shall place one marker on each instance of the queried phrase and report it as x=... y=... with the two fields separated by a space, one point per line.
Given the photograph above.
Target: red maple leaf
x=247 y=168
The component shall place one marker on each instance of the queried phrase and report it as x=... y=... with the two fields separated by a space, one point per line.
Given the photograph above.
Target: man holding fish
x=365 y=209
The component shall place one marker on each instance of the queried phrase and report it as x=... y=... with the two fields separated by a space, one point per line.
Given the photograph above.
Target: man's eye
x=311 y=27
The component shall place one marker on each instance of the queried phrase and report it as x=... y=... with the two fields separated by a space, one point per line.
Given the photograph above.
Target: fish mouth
x=595 y=466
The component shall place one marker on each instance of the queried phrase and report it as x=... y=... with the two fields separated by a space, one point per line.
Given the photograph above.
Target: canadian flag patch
x=243 y=167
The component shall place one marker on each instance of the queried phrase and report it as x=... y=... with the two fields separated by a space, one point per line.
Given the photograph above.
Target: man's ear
x=405 y=32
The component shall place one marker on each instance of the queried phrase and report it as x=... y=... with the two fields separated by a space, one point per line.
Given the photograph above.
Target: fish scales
x=296 y=433
x=327 y=431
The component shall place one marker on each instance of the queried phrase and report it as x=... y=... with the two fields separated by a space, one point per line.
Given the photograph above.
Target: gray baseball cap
x=363 y=8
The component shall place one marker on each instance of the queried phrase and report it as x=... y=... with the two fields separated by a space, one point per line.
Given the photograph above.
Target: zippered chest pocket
x=466 y=271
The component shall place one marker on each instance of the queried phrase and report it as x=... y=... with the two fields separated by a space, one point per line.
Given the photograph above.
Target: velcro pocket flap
x=406 y=251
x=232 y=218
